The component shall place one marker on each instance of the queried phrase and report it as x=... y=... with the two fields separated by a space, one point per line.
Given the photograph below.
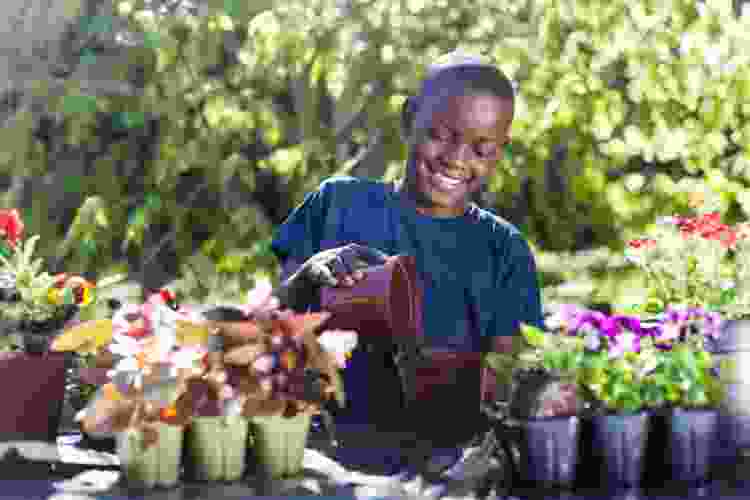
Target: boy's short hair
x=474 y=74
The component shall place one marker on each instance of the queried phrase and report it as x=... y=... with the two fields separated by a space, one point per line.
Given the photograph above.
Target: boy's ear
x=408 y=110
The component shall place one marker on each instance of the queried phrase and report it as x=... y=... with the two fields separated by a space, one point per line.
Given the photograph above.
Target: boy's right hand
x=340 y=266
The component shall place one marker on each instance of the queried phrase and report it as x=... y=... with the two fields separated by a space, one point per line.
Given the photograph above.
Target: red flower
x=11 y=226
x=137 y=332
x=727 y=237
x=167 y=295
x=60 y=280
x=642 y=242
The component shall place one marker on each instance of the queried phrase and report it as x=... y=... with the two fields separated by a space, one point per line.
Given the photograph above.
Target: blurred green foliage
x=649 y=100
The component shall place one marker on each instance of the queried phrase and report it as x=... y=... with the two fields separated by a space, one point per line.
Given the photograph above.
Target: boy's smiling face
x=456 y=152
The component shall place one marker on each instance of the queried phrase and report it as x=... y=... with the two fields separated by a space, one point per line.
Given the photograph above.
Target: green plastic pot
x=279 y=444
x=155 y=466
x=216 y=448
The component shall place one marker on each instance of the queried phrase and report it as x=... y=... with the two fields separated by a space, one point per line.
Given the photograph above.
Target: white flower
x=666 y=221
x=339 y=343
x=186 y=358
x=727 y=285
x=651 y=364
x=164 y=323
x=125 y=346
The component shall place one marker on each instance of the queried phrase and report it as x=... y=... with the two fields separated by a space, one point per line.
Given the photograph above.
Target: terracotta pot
x=33 y=388
x=216 y=448
x=157 y=465
x=385 y=306
x=279 y=444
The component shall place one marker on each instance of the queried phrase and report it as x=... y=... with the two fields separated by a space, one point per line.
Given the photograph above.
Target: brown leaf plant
x=263 y=362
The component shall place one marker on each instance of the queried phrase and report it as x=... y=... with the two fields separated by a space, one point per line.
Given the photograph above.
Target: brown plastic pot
x=33 y=388
x=386 y=309
x=385 y=306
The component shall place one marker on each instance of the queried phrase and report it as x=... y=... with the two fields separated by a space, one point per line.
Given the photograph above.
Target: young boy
x=477 y=269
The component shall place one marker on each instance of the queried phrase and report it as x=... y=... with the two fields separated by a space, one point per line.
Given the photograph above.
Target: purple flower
x=592 y=342
x=669 y=332
x=625 y=342
x=564 y=318
x=676 y=315
x=713 y=325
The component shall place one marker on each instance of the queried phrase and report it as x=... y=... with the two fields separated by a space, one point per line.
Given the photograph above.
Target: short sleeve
x=300 y=234
x=519 y=298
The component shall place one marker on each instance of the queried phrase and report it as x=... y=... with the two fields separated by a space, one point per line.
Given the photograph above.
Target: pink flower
x=264 y=363
x=260 y=301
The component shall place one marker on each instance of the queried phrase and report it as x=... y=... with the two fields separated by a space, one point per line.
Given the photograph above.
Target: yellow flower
x=55 y=296
x=87 y=296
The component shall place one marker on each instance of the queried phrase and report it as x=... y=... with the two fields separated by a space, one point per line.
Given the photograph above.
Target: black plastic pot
x=734 y=422
x=618 y=445
x=549 y=451
x=691 y=445
x=733 y=434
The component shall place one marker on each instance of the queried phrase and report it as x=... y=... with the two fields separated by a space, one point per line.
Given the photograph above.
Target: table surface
x=87 y=475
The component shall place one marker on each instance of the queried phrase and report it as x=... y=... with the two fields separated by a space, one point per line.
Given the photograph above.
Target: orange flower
x=110 y=392
x=696 y=199
x=168 y=414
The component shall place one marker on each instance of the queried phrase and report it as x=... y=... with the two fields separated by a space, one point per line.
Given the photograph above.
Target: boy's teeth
x=447 y=180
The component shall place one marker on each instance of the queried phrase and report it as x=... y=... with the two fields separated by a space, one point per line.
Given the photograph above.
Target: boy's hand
x=341 y=266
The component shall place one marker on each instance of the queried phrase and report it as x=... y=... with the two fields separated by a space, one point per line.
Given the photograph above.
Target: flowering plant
x=620 y=363
x=148 y=380
x=271 y=363
x=696 y=261
x=36 y=302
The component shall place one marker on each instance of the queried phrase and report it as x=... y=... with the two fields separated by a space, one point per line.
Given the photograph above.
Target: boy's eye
x=486 y=149
x=441 y=135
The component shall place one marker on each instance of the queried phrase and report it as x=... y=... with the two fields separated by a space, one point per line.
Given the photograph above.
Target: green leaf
x=110 y=280
x=88 y=247
x=68 y=297
x=660 y=379
x=73 y=104
x=533 y=336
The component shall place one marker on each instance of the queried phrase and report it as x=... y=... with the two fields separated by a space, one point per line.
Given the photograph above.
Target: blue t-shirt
x=477 y=261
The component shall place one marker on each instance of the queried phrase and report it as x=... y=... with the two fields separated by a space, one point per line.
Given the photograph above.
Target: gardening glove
x=340 y=266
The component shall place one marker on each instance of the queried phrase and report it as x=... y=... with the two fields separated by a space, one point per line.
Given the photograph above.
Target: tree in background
x=229 y=111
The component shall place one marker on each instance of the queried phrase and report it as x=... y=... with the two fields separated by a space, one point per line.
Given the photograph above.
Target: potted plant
x=91 y=340
x=545 y=404
x=692 y=392
x=35 y=307
x=284 y=372
x=701 y=261
x=145 y=404
x=217 y=437
x=611 y=359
